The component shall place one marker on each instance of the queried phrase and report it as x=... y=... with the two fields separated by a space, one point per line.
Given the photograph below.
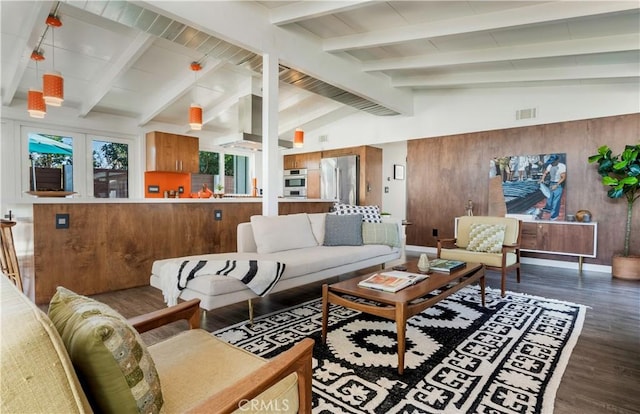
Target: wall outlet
x=434 y=232
x=62 y=221
x=217 y=215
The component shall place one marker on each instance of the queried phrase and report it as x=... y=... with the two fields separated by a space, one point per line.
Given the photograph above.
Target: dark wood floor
x=603 y=374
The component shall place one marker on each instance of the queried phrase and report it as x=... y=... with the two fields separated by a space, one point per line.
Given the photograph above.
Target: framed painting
x=534 y=185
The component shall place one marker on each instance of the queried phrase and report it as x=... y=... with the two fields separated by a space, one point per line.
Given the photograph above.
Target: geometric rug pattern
x=507 y=357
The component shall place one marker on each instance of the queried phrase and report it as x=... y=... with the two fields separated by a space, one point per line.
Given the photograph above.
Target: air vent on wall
x=528 y=113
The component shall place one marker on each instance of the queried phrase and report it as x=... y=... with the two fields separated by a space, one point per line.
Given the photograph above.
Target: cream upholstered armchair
x=492 y=241
x=84 y=357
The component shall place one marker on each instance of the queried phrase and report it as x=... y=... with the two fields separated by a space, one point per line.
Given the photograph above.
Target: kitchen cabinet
x=564 y=238
x=311 y=162
x=308 y=160
x=172 y=152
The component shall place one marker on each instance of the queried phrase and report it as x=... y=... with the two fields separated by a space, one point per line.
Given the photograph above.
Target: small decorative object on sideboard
x=583 y=216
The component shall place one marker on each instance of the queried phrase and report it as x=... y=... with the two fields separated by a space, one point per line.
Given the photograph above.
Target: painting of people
x=533 y=184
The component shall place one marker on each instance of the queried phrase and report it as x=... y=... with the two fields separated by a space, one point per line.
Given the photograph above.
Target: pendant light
x=53 y=83
x=195 y=110
x=35 y=101
x=298 y=138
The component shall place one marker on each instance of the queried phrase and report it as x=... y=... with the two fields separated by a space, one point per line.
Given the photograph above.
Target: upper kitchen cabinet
x=172 y=152
x=308 y=160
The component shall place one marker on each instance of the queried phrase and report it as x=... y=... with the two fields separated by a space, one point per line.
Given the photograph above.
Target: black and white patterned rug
x=461 y=358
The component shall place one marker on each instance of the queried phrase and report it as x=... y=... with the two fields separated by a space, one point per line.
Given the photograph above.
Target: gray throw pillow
x=343 y=230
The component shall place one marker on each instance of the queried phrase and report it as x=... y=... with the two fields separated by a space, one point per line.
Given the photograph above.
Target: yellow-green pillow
x=487 y=238
x=380 y=233
x=113 y=364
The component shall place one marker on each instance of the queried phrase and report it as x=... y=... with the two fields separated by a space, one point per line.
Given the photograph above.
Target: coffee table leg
x=325 y=312
x=482 y=288
x=401 y=323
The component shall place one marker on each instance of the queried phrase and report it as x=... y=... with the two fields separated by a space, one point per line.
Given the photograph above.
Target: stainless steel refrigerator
x=339 y=179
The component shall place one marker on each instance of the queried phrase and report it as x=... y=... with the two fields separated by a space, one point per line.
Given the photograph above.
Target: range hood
x=250 y=122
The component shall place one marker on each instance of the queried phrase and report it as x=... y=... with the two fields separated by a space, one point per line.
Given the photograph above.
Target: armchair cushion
x=486 y=238
x=109 y=356
x=194 y=364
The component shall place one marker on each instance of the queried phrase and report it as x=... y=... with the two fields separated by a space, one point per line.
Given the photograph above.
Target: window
x=236 y=171
x=110 y=169
x=87 y=165
x=51 y=162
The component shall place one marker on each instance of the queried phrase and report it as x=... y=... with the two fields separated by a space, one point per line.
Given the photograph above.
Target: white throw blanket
x=259 y=275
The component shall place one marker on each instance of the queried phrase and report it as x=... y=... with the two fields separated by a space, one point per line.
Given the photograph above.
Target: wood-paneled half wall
x=444 y=172
x=112 y=246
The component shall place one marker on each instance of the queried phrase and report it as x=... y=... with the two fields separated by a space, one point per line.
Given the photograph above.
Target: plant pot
x=626 y=267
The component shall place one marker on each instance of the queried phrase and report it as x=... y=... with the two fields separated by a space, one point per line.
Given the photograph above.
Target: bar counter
x=100 y=245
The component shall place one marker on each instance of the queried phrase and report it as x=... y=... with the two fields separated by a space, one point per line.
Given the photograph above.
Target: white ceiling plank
x=530 y=75
x=244 y=24
x=180 y=85
x=127 y=58
x=298 y=11
x=30 y=32
x=539 y=13
x=539 y=50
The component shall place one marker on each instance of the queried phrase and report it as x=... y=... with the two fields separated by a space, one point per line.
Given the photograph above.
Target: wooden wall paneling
x=437 y=191
x=371 y=179
x=69 y=257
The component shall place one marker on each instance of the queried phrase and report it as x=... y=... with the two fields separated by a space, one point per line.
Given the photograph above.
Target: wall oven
x=295 y=183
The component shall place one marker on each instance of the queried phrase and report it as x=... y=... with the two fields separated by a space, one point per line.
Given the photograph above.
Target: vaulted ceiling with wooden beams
x=335 y=57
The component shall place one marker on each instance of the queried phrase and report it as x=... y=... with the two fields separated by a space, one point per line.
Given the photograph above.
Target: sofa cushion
x=317 y=226
x=278 y=233
x=344 y=230
x=380 y=233
x=370 y=214
x=486 y=238
x=109 y=356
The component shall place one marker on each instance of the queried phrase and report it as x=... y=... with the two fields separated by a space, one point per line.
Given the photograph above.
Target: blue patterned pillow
x=345 y=230
x=370 y=214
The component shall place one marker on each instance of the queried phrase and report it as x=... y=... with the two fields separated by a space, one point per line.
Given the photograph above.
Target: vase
x=423 y=263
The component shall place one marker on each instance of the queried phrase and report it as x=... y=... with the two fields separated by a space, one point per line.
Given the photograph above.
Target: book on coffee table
x=445 y=266
x=391 y=281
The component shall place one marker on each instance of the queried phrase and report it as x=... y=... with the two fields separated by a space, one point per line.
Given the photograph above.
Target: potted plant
x=621 y=173
x=220 y=190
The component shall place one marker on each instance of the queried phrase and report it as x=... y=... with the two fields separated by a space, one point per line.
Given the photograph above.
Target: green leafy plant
x=219 y=187
x=621 y=173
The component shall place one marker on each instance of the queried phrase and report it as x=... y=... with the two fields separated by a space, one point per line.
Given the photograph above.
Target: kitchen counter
x=225 y=200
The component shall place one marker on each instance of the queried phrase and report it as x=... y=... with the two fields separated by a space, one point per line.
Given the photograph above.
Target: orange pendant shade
x=53 y=88
x=298 y=138
x=35 y=104
x=195 y=117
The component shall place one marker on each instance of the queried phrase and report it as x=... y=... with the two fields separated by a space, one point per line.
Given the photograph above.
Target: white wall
x=394 y=201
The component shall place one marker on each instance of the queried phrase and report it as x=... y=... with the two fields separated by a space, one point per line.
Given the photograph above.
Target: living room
x=444 y=137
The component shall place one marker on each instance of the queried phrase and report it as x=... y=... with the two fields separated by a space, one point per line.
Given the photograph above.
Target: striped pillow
x=380 y=233
x=486 y=238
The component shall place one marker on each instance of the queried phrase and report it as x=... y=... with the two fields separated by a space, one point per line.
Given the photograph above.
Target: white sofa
x=303 y=265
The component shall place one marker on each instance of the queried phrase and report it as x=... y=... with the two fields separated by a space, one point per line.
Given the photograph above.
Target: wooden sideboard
x=560 y=237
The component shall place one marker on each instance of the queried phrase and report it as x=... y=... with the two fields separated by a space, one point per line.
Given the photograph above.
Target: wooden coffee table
x=398 y=307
